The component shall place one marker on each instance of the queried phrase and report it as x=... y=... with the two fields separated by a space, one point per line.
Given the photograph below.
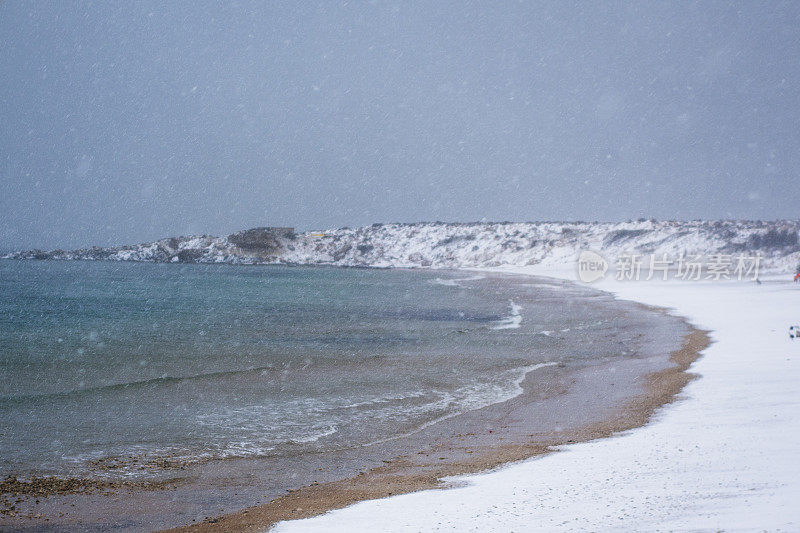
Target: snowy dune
x=723 y=457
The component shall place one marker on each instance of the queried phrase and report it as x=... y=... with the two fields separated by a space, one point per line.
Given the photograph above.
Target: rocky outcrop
x=262 y=240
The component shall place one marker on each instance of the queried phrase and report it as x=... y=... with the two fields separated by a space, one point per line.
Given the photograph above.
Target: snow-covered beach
x=366 y=266
x=573 y=356
x=722 y=457
x=718 y=458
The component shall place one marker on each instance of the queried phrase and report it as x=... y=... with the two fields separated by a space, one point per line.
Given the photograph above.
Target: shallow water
x=109 y=368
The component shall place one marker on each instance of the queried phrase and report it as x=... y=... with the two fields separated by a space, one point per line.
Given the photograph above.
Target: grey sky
x=124 y=122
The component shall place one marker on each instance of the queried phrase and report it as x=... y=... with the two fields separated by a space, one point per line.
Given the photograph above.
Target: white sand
x=725 y=457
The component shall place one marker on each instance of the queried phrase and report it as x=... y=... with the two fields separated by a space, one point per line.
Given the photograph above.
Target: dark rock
x=262 y=240
x=339 y=254
x=189 y=255
x=622 y=234
x=772 y=239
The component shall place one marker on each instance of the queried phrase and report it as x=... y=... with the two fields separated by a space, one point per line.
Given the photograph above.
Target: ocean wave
x=512 y=321
x=471 y=398
x=380 y=400
x=166 y=379
x=147 y=459
x=278 y=368
x=137 y=460
x=315 y=436
x=455 y=282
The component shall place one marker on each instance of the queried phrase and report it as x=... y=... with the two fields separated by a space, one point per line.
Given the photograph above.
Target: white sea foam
x=313 y=437
x=380 y=400
x=512 y=321
x=471 y=398
x=455 y=282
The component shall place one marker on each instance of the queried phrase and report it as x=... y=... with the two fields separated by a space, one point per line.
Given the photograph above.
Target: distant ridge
x=453 y=245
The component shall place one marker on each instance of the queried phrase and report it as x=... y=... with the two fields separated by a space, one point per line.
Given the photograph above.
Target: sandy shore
x=724 y=457
x=558 y=406
x=425 y=471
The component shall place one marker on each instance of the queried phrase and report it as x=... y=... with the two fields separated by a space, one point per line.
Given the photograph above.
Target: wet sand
x=462 y=455
x=558 y=405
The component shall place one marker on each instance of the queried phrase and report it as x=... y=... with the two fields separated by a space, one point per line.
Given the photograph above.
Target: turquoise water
x=102 y=361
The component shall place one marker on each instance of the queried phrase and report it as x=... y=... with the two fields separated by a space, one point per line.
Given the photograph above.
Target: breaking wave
x=513 y=320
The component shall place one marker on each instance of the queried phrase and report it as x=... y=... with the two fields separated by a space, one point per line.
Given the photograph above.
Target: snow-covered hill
x=449 y=245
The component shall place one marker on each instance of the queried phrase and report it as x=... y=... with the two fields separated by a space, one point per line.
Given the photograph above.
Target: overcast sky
x=126 y=121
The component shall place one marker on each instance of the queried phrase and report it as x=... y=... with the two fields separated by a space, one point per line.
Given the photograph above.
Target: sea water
x=113 y=368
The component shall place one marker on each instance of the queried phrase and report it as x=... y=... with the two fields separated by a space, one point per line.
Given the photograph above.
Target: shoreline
x=722 y=458
x=522 y=427
x=402 y=476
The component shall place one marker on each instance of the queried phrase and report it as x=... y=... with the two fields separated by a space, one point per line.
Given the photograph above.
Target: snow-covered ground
x=724 y=457
x=478 y=245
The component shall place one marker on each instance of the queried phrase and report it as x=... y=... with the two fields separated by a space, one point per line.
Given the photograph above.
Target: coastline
x=410 y=474
x=557 y=405
x=721 y=458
